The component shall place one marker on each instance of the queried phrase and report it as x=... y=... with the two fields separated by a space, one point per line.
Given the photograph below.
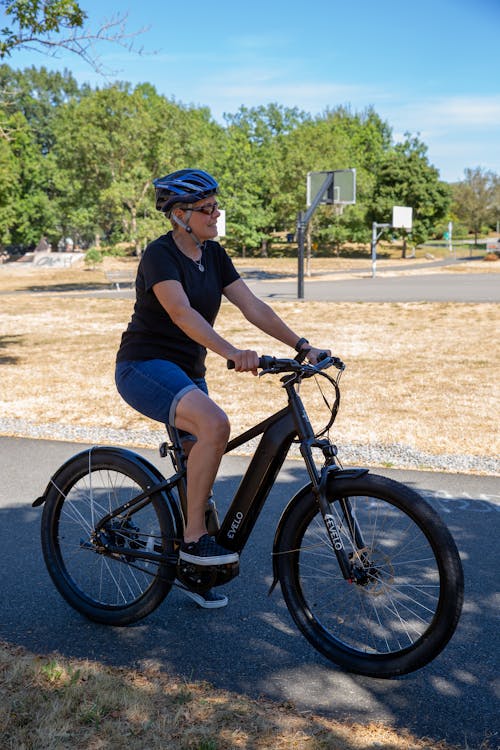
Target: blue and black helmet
x=184 y=186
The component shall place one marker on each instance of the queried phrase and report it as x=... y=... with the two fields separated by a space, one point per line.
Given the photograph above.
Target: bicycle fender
x=143 y=463
x=333 y=474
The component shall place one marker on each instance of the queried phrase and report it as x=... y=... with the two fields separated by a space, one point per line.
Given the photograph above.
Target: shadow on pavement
x=252 y=646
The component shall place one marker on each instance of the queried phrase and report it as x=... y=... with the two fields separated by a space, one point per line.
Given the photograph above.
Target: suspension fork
x=331 y=525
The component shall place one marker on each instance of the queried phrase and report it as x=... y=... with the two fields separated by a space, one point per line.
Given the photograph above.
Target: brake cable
x=336 y=404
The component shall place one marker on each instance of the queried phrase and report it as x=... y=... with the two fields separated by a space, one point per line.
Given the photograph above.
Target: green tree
x=252 y=167
x=476 y=199
x=26 y=211
x=406 y=178
x=29 y=101
x=109 y=147
x=9 y=187
x=240 y=181
x=496 y=203
x=37 y=93
x=76 y=161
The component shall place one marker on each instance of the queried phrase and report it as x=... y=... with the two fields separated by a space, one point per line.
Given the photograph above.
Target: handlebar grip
x=264 y=363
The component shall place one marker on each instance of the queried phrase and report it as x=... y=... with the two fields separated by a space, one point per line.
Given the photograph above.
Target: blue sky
x=430 y=67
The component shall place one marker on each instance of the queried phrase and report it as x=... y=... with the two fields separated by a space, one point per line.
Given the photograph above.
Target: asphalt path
x=252 y=646
x=432 y=287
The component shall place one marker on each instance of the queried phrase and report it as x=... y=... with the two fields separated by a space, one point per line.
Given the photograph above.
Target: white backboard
x=221 y=223
x=402 y=217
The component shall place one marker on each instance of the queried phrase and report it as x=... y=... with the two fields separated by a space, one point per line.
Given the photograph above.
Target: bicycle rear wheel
x=118 y=588
x=406 y=594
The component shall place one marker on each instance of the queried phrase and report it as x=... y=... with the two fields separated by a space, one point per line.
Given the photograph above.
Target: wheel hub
x=372 y=571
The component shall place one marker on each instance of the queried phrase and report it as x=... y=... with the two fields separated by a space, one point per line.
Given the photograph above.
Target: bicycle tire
x=407 y=602
x=106 y=589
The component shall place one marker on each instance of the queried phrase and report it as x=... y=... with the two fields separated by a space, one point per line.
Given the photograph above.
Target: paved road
x=439 y=287
x=252 y=646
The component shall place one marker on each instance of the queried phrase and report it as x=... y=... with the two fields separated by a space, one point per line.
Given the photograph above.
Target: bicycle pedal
x=203 y=577
x=165 y=449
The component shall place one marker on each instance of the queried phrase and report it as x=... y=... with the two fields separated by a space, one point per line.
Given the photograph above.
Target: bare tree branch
x=55 y=25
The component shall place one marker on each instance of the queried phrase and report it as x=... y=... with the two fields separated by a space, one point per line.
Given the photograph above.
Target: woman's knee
x=218 y=427
x=212 y=426
x=202 y=417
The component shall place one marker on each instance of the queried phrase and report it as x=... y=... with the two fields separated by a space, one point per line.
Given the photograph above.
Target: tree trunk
x=133 y=230
x=263 y=249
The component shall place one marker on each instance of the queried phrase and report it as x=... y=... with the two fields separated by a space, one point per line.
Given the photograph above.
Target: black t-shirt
x=151 y=333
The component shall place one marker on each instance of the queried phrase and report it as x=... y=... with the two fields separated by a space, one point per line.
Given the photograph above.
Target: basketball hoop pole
x=402 y=218
x=303 y=220
x=375 y=238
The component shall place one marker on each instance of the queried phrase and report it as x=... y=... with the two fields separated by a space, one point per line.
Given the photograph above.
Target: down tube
x=256 y=483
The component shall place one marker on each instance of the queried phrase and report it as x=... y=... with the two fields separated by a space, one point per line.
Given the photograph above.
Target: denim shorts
x=154 y=387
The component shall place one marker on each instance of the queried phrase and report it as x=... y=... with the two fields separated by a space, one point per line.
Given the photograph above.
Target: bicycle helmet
x=184 y=186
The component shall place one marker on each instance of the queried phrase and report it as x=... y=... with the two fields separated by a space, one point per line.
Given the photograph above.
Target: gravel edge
x=374 y=454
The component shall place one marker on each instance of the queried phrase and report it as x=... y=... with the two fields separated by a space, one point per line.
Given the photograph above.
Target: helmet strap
x=188 y=229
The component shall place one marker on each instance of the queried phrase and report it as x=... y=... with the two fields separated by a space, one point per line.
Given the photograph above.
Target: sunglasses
x=207 y=209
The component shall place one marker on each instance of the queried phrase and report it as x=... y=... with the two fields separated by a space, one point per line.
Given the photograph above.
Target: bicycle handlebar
x=279 y=365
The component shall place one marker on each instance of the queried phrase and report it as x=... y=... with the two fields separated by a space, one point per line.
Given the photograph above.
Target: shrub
x=93 y=257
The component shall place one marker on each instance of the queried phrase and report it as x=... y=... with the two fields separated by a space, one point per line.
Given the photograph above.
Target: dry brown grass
x=52 y=703
x=422 y=375
x=419 y=374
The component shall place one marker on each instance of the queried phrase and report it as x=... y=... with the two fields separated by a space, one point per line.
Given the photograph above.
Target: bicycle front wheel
x=111 y=588
x=405 y=596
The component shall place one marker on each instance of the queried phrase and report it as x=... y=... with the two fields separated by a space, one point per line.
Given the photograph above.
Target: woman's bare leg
x=198 y=414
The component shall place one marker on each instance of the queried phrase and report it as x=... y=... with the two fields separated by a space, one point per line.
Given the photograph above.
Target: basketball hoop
x=336 y=188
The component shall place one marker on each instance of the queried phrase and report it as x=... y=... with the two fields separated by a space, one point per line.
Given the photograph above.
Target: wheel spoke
x=118 y=583
x=389 y=611
x=389 y=605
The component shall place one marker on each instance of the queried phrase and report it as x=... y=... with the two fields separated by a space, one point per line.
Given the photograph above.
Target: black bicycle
x=368 y=570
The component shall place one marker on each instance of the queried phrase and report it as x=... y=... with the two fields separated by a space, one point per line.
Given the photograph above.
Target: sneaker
x=208 y=600
x=206 y=551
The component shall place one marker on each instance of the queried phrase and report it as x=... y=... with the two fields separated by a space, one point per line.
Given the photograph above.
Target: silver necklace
x=199 y=264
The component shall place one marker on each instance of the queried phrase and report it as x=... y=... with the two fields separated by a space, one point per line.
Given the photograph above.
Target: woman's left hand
x=313 y=354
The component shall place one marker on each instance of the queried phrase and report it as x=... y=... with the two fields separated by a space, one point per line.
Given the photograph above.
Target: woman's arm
x=174 y=300
x=263 y=316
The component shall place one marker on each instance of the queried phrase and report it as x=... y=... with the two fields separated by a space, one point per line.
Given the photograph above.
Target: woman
x=161 y=361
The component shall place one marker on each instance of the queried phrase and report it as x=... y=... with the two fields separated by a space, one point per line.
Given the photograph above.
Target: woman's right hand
x=245 y=360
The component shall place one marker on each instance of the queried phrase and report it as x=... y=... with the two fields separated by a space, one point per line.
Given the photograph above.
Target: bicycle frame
x=278 y=432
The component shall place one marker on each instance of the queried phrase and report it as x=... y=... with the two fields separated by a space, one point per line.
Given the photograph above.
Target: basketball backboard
x=402 y=217
x=221 y=223
x=341 y=190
